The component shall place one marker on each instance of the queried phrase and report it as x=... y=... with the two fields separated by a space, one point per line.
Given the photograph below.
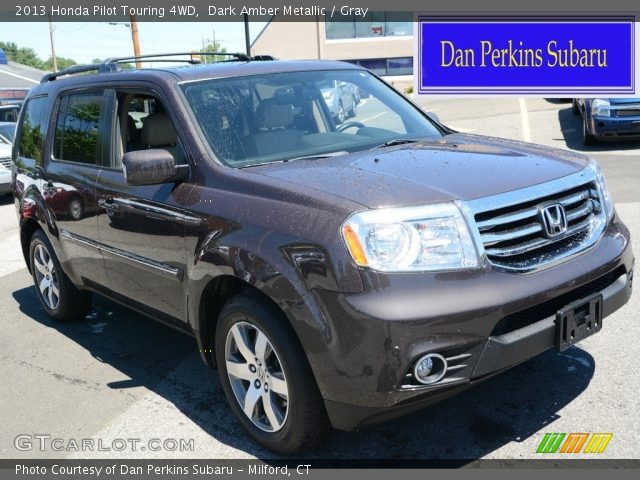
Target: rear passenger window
x=34 y=129
x=77 y=128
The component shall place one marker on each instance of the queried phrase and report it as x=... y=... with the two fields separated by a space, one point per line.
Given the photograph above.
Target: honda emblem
x=554 y=220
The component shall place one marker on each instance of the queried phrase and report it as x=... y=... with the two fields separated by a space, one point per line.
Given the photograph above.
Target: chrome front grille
x=627 y=110
x=512 y=232
x=628 y=113
x=6 y=162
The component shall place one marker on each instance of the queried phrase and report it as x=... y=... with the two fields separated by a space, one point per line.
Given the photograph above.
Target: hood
x=623 y=101
x=5 y=150
x=458 y=167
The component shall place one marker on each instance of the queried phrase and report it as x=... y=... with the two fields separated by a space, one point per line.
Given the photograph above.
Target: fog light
x=430 y=368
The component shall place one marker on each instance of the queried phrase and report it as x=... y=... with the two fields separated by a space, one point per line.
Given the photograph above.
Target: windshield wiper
x=286 y=160
x=398 y=141
x=318 y=157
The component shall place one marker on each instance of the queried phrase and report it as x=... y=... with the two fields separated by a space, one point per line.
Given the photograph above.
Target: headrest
x=211 y=112
x=270 y=114
x=158 y=131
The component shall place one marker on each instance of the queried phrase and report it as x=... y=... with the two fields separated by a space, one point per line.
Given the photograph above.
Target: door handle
x=109 y=205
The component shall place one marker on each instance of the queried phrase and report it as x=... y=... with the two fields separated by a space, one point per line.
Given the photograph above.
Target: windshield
x=7 y=131
x=285 y=116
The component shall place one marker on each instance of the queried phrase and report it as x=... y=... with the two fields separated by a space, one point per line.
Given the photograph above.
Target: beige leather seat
x=272 y=121
x=158 y=132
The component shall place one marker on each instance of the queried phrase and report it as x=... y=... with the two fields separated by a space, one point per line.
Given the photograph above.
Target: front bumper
x=484 y=321
x=615 y=128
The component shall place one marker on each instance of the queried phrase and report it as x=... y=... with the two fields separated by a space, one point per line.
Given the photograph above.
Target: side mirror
x=433 y=116
x=152 y=167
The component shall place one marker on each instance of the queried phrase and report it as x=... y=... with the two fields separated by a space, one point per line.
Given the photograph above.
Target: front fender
x=276 y=268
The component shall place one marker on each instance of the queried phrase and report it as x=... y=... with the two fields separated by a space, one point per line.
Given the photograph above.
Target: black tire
x=587 y=138
x=575 y=108
x=72 y=304
x=76 y=208
x=340 y=114
x=354 y=108
x=304 y=421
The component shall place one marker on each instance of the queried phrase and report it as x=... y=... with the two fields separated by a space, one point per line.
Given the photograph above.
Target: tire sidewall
x=341 y=115
x=587 y=137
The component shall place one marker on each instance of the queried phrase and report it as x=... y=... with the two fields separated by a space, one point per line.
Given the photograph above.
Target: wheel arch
x=217 y=292
x=28 y=228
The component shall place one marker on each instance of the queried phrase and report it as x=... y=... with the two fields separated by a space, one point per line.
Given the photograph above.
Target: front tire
x=587 y=138
x=575 y=108
x=354 y=108
x=266 y=378
x=340 y=115
x=59 y=298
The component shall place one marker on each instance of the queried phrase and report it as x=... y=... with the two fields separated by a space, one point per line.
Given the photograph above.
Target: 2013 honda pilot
x=335 y=274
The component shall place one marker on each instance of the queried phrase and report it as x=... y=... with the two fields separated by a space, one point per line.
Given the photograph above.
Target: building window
x=375 y=24
x=387 y=67
x=400 y=66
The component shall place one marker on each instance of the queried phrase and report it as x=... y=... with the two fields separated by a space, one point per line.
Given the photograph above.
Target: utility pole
x=136 y=41
x=247 y=38
x=53 y=48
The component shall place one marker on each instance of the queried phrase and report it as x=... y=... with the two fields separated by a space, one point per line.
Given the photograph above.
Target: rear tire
x=264 y=372
x=76 y=209
x=59 y=298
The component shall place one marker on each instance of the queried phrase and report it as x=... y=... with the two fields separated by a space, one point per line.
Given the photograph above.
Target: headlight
x=605 y=196
x=411 y=239
x=600 y=107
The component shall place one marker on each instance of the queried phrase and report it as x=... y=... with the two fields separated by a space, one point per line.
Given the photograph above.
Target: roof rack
x=113 y=64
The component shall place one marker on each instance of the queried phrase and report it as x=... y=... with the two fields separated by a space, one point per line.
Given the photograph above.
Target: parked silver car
x=5 y=166
x=341 y=98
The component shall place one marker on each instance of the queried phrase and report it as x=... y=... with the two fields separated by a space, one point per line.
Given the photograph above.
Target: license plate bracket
x=577 y=321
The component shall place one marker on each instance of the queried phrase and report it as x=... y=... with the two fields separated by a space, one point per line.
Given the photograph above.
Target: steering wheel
x=347 y=125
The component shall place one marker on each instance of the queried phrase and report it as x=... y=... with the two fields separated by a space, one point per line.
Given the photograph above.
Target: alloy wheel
x=46 y=276
x=256 y=376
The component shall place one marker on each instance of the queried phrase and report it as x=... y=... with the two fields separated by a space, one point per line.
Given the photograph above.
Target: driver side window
x=143 y=124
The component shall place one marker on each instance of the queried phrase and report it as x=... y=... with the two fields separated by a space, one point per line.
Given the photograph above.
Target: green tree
x=25 y=56
x=61 y=61
x=212 y=46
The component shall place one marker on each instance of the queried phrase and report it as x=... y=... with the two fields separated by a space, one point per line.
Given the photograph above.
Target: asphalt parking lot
x=121 y=375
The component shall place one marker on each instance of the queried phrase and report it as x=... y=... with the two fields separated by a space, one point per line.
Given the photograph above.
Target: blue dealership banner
x=501 y=56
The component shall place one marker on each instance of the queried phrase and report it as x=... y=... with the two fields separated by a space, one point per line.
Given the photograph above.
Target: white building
x=382 y=42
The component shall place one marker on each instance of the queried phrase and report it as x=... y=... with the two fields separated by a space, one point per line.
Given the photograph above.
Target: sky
x=84 y=41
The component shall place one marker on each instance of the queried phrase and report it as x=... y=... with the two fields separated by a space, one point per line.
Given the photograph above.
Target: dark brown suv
x=335 y=274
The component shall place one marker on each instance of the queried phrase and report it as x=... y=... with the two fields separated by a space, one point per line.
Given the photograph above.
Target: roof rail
x=113 y=64
x=150 y=57
x=263 y=58
x=94 y=67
